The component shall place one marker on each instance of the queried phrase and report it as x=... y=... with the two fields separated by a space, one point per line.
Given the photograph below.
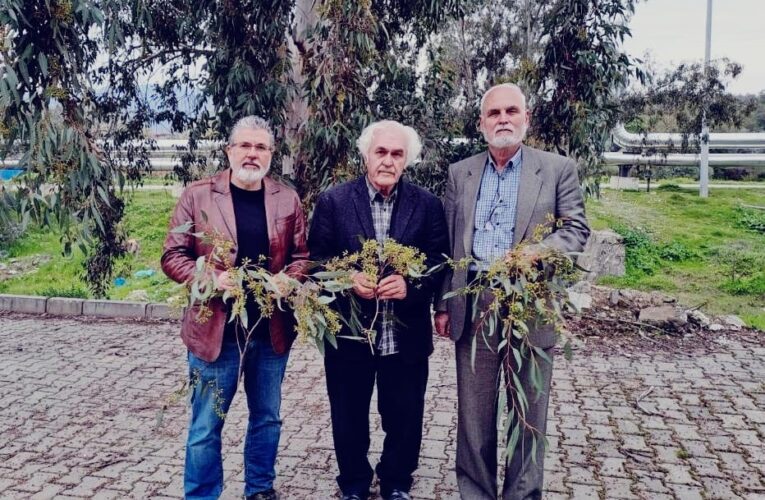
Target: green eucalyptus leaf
x=183 y=228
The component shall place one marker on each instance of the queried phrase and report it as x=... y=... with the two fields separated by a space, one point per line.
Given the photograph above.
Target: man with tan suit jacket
x=494 y=201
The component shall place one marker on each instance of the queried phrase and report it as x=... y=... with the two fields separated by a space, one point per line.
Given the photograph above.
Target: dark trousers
x=478 y=385
x=400 y=401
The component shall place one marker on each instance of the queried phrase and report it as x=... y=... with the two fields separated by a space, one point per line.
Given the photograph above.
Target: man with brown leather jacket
x=263 y=219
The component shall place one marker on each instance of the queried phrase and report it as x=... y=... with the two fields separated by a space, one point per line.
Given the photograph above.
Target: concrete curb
x=61 y=306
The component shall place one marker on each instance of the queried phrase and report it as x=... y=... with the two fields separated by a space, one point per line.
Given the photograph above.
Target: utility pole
x=528 y=30
x=704 y=159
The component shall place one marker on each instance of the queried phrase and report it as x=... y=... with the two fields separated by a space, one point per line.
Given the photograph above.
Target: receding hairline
x=510 y=86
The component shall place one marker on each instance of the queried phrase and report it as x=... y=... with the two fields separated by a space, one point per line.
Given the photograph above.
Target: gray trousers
x=477 y=399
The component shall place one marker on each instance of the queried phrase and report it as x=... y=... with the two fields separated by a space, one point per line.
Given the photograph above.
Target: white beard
x=251 y=176
x=507 y=141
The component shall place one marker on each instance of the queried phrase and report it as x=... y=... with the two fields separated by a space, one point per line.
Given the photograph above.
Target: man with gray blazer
x=494 y=201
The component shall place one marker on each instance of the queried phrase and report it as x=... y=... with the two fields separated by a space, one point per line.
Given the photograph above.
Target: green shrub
x=644 y=257
x=745 y=286
x=74 y=291
x=737 y=263
x=641 y=253
x=10 y=231
x=670 y=187
x=753 y=220
x=676 y=252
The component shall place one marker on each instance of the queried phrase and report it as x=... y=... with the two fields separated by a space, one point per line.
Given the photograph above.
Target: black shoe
x=264 y=495
x=398 y=495
x=352 y=496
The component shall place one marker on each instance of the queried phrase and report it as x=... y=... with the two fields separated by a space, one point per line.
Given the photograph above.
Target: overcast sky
x=673 y=31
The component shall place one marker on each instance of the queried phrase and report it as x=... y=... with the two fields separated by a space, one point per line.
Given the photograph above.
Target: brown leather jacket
x=287 y=249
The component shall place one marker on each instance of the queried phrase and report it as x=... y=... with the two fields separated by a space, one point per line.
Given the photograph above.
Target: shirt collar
x=511 y=163
x=374 y=192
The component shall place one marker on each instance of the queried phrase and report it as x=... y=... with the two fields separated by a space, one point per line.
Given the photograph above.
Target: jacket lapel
x=363 y=210
x=470 y=197
x=407 y=201
x=224 y=202
x=528 y=193
x=271 y=204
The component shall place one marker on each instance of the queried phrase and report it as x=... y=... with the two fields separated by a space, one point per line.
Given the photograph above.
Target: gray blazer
x=549 y=185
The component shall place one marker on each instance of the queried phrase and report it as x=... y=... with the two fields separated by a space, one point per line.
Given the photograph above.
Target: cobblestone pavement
x=90 y=408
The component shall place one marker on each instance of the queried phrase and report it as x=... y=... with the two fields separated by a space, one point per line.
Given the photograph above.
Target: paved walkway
x=90 y=409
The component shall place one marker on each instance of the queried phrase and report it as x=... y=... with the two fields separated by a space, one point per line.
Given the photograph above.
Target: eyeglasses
x=246 y=147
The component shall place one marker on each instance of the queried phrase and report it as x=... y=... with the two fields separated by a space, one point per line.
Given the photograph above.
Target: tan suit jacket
x=549 y=184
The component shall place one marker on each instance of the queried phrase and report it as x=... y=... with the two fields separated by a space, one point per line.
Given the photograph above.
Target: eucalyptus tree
x=579 y=77
x=676 y=99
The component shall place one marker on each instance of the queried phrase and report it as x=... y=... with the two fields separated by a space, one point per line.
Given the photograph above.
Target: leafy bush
x=676 y=252
x=753 y=220
x=732 y=174
x=644 y=257
x=746 y=286
x=10 y=231
x=737 y=263
x=641 y=255
x=74 y=291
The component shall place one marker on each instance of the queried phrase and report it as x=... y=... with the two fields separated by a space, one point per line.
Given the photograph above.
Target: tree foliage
x=683 y=95
x=578 y=78
x=50 y=107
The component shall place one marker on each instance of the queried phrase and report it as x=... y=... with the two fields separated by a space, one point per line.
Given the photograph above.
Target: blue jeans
x=213 y=386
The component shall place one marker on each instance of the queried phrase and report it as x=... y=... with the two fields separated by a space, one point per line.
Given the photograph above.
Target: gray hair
x=503 y=86
x=252 y=122
x=413 y=144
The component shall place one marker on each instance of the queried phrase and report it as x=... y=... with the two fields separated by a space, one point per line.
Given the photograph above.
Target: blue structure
x=10 y=173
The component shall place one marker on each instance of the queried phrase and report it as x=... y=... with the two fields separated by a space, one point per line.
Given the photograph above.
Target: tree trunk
x=306 y=16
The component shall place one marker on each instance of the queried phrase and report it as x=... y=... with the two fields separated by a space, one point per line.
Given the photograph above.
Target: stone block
x=114 y=309
x=604 y=255
x=163 y=311
x=581 y=301
x=62 y=306
x=664 y=316
x=23 y=304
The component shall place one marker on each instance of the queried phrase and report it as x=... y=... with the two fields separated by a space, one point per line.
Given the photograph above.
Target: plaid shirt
x=382 y=209
x=495 y=210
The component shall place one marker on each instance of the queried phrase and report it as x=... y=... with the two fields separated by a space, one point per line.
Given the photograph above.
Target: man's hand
x=443 y=329
x=392 y=287
x=363 y=286
x=533 y=252
x=224 y=281
x=281 y=282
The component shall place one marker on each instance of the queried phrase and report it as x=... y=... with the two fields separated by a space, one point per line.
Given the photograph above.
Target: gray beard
x=249 y=176
x=507 y=141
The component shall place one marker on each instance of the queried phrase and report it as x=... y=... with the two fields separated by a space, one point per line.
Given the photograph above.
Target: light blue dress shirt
x=495 y=210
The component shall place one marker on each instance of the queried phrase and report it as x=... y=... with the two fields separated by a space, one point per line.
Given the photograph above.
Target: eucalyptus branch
x=526 y=286
x=306 y=296
x=376 y=261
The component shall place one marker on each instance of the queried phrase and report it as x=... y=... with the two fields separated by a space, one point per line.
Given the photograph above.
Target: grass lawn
x=688 y=247
x=147 y=217
x=679 y=243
